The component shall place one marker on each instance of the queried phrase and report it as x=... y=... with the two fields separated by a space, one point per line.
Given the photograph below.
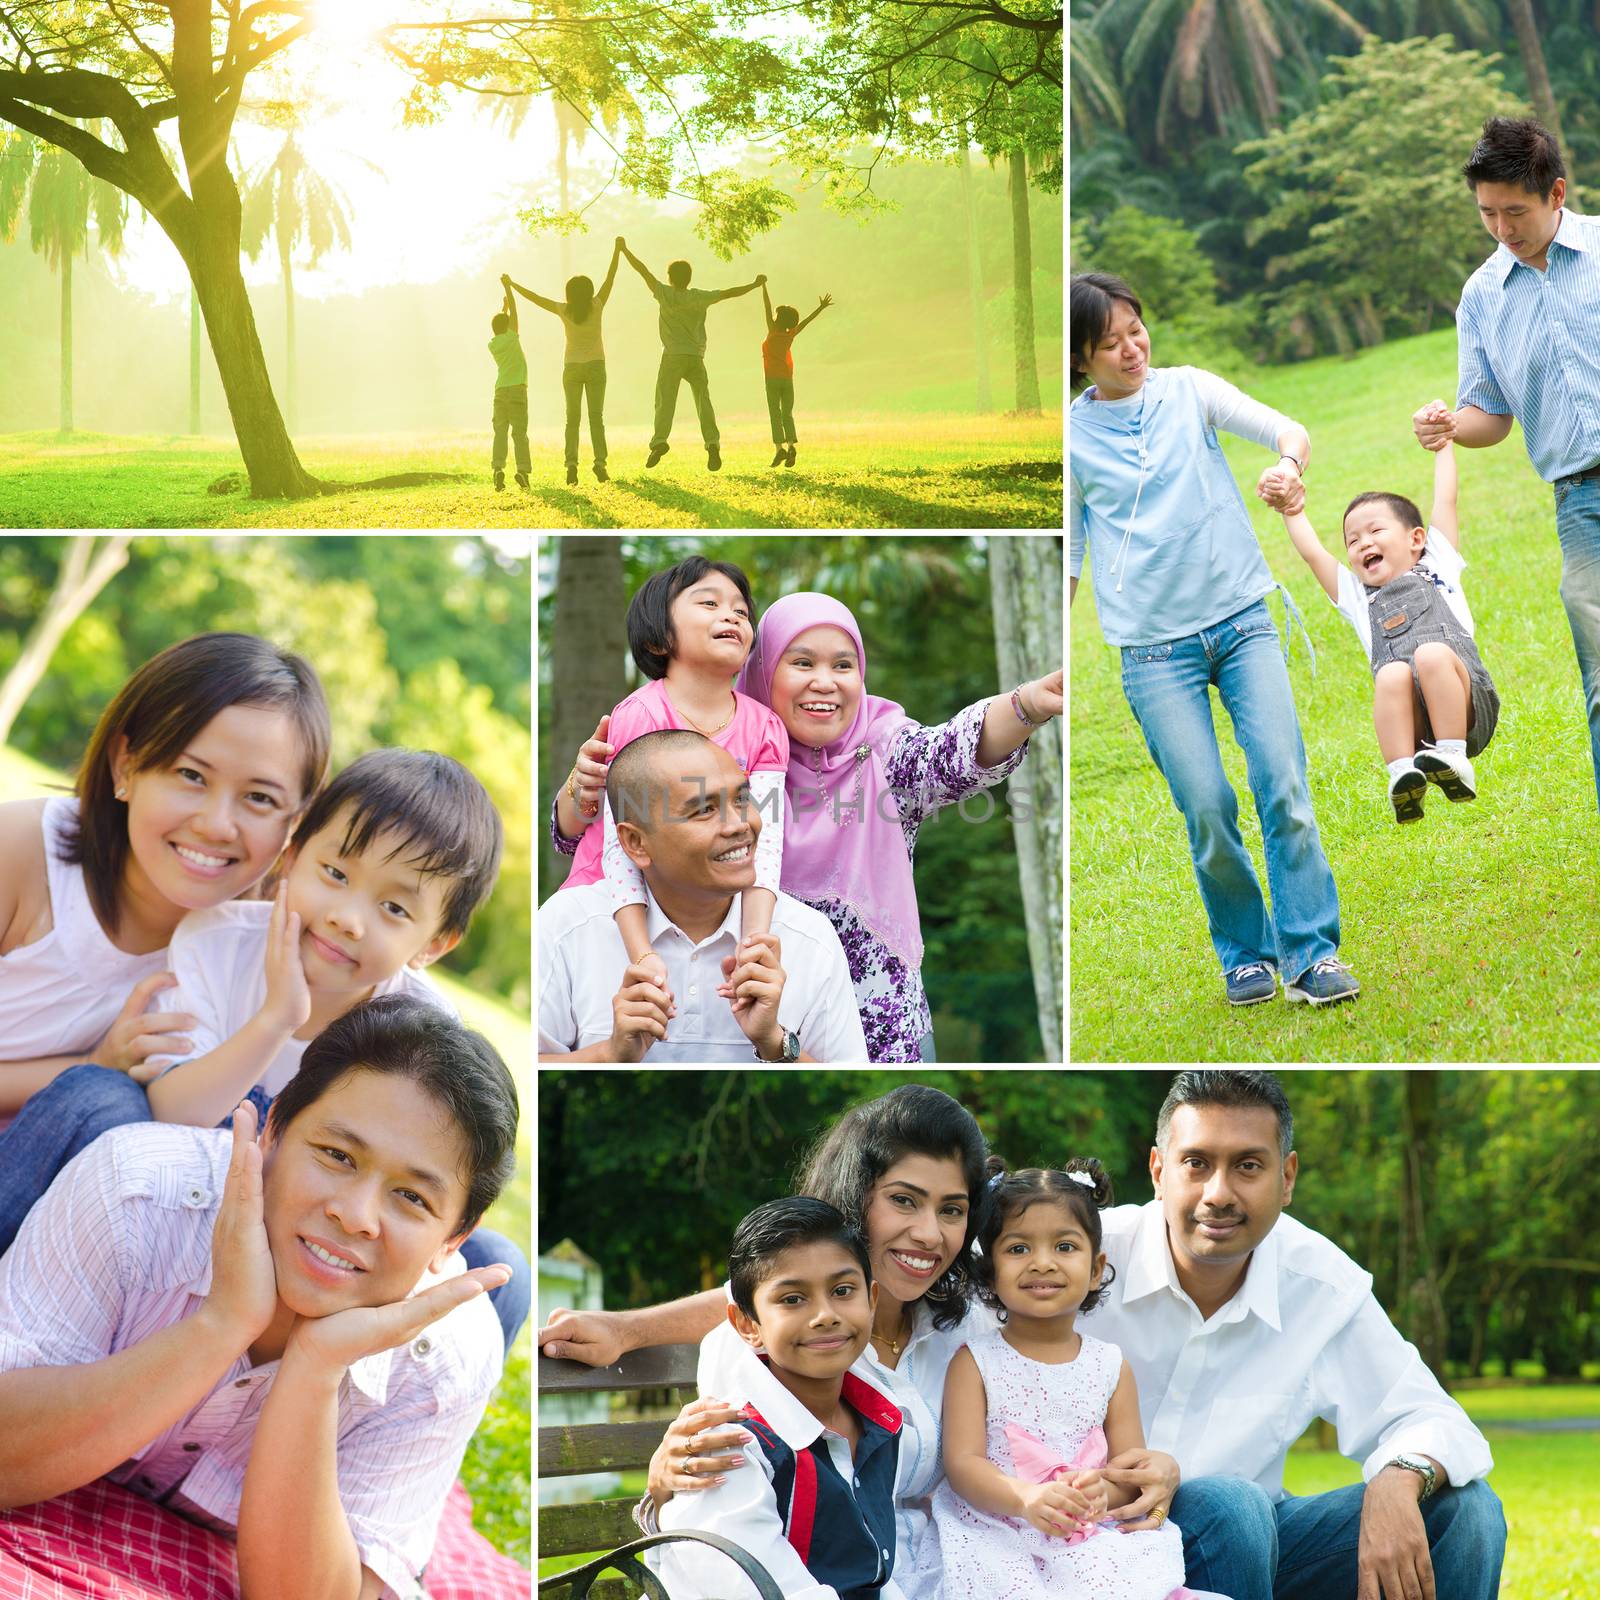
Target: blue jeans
x=1237 y=1542
x=80 y=1104
x=1169 y=688
x=64 y=1117
x=1578 y=529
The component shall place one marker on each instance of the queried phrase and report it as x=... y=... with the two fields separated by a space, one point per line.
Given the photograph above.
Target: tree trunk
x=66 y=342
x=1025 y=588
x=291 y=389
x=1539 y=91
x=588 y=653
x=1022 y=288
x=1422 y=1305
x=194 y=361
x=269 y=455
x=564 y=177
x=975 y=282
x=88 y=565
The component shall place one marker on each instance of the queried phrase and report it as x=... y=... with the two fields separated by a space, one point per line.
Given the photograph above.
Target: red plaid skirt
x=103 y=1542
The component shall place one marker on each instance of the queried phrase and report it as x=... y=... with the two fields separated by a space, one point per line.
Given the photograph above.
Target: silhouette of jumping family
x=683 y=350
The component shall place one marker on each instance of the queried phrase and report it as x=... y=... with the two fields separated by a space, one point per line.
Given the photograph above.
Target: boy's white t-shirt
x=218 y=957
x=1440 y=563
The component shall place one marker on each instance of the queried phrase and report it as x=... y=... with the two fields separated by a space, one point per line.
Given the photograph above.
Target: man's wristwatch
x=1423 y=1469
x=791 y=1048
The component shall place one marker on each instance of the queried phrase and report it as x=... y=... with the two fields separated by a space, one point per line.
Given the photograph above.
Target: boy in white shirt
x=1434 y=703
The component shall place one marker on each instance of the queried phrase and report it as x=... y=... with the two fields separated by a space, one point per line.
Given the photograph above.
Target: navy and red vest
x=843 y=1533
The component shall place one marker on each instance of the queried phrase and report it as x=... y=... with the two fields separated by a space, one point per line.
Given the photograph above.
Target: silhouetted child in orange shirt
x=777 y=363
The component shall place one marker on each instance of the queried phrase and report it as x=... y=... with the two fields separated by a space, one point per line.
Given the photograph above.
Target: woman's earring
x=121 y=792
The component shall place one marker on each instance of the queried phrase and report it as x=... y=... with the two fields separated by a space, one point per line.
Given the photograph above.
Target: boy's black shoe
x=572 y=474
x=656 y=453
x=713 y=458
x=600 y=473
x=779 y=458
x=499 y=480
x=790 y=461
x=522 y=480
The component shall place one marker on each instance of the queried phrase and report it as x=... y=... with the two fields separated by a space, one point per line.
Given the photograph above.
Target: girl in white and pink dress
x=1032 y=1412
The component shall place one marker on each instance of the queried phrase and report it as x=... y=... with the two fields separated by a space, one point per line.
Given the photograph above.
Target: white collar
x=657 y=922
x=1151 y=1268
x=798 y=1427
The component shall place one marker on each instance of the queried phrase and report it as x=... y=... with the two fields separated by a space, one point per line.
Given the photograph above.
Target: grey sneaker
x=1451 y=772
x=1252 y=983
x=1323 y=983
x=1406 y=793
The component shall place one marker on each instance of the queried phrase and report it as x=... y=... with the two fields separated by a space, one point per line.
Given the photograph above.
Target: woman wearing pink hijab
x=862 y=777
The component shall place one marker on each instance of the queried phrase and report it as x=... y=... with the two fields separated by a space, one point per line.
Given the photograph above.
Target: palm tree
x=1216 y=60
x=61 y=198
x=292 y=203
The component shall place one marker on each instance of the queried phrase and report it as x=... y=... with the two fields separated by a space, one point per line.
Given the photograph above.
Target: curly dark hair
x=912 y=1120
x=1008 y=1194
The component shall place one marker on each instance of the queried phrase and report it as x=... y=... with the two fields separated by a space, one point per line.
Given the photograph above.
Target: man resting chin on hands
x=236 y=1329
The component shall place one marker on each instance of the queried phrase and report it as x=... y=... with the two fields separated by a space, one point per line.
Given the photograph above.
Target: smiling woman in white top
x=186 y=794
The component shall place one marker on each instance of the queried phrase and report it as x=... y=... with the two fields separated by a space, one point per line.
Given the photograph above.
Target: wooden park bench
x=565 y=1451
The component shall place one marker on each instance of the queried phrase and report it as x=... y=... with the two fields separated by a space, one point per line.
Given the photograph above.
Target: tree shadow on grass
x=890 y=509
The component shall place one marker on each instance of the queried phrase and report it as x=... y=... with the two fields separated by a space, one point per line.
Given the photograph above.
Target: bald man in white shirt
x=686 y=819
x=1242 y=1326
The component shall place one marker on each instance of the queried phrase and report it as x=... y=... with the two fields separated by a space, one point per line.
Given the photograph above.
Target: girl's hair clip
x=993 y=1181
x=1083 y=1178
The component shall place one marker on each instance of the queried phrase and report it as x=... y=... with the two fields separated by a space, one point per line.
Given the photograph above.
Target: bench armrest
x=624 y=1559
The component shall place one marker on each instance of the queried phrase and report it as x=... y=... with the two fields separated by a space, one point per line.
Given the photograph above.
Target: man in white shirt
x=236 y=1331
x=1242 y=1326
x=691 y=830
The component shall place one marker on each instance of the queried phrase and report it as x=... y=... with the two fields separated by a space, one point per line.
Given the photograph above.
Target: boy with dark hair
x=683 y=351
x=510 y=392
x=232 y=1329
x=816 y=1505
x=777 y=366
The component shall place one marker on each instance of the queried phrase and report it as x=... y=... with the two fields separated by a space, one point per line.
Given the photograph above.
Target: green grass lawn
x=924 y=472
x=1475 y=932
x=498 y=1465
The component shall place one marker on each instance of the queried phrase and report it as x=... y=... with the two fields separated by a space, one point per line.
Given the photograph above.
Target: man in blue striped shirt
x=1528 y=333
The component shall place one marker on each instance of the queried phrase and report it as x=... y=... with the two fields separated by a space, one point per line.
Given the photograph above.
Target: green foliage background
x=923 y=604
x=650 y=1171
x=419 y=640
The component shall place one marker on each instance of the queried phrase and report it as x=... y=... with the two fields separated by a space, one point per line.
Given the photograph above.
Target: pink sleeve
x=772 y=749
x=629 y=720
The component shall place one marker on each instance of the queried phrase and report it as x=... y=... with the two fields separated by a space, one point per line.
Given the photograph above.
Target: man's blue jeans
x=1578 y=529
x=1238 y=1543
x=1169 y=688
x=80 y=1104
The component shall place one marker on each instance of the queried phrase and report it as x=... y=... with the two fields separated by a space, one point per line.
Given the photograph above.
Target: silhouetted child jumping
x=777 y=363
x=510 y=392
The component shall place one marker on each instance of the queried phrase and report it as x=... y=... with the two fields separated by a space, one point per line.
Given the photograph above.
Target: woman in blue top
x=1180 y=586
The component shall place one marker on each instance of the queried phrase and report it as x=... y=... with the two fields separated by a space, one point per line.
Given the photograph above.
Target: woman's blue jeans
x=1169 y=688
x=1238 y=1543
x=1578 y=529
x=80 y=1104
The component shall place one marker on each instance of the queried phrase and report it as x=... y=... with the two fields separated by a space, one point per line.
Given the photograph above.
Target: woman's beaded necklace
x=863 y=752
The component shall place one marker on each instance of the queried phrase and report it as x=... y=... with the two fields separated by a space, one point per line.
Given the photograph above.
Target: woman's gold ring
x=1159 y=1515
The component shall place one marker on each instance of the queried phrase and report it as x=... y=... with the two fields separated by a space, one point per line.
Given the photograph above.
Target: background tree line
x=418 y=641
x=1470 y=1196
x=1281 y=180
x=927 y=610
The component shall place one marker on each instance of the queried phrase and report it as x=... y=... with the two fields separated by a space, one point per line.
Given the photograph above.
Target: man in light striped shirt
x=278 y=1339
x=1528 y=338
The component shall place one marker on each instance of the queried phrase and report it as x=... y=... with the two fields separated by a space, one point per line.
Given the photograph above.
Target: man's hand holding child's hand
x=1283 y=490
x=1434 y=425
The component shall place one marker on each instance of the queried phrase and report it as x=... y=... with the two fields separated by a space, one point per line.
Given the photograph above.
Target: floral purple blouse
x=928 y=768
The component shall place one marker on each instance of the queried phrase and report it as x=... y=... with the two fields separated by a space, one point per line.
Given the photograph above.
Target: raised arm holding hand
x=604 y=291
x=538 y=299
x=758 y=282
x=1442 y=514
x=1436 y=425
x=637 y=265
x=509 y=306
x=766 y=306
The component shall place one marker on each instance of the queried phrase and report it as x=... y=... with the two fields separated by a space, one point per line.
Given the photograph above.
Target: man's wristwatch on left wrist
x=791 y=1048
x=1424 y=1470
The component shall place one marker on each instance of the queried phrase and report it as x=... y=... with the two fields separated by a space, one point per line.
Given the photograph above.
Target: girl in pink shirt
x=690 y=629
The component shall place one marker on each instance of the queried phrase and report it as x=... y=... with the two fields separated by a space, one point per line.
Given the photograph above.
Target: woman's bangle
x=1016 y=706
x=572 y=787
